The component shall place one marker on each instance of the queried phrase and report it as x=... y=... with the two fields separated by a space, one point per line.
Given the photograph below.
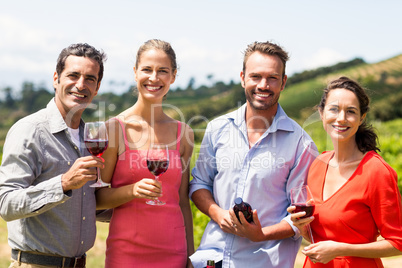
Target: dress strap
x=178 y=135
x=124 y=132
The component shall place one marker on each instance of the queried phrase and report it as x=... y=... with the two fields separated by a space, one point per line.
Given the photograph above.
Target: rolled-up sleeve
x=205 y=167
x=306 y=154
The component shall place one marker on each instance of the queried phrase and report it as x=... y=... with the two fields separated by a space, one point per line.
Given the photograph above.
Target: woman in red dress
x=356 y=192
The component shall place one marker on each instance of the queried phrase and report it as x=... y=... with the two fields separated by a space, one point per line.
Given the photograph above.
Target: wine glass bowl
x=96 y=142
x=157 y=163
x=302 y=200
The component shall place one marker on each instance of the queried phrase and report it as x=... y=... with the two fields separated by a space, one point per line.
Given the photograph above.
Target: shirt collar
x=281 y=120
x=56 y=120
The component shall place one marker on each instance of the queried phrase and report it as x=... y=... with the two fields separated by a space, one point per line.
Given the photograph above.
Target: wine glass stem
x=310 y=233
x=157 y=179
x=99 y=175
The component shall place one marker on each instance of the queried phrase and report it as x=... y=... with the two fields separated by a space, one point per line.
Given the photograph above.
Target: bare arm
x=205 y=202
x=186 y=150
x=326 y=251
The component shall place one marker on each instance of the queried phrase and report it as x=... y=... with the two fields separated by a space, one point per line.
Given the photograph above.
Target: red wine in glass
x=303 y=200
x=157 y=167
x=96 y=141
x=96 y=147
x=309 y=209
x=157 y=163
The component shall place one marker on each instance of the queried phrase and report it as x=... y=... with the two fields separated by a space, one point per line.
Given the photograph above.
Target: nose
x=153 y=76
x=80 y=84
x=341 y=116
x=263 y=83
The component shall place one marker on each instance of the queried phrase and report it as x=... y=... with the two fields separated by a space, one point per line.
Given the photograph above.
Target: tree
x=9 y=100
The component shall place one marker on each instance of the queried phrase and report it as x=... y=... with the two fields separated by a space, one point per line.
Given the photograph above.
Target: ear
x=243 y=84
x=97 y=88
x=321 y=113
x=135 y=74
x=55 y=80
x=284 y=79
x=362 y=118
x=174 y=77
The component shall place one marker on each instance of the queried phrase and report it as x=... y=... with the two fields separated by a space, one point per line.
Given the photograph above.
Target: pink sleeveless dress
x=142 y=235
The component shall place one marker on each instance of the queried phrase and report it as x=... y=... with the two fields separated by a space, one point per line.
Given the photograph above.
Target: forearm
x=277 y=231
x=113 y=197
x=205 y=202
x=378 y=249
x=188 y=222
x=17 y=203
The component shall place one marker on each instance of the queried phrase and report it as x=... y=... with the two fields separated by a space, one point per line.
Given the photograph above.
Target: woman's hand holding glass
x=301 y=223
x=147 y=188
x=302 y=210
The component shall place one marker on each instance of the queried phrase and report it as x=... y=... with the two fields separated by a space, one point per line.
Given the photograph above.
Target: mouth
x=262 y=96
x=340 y=128
x=153 y=88
x=78 y=95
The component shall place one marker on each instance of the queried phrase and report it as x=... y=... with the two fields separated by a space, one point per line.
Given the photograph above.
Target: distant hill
x=383 y=81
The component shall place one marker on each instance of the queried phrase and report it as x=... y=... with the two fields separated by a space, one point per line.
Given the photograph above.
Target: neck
x=346 y=152
x=149 y=112
x=260 y=119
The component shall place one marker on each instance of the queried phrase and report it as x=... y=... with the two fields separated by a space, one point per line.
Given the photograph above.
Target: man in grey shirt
x=46 y=171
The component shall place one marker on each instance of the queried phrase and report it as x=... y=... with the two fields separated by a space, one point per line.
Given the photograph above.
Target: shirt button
x=82 y=242
x=83 y=218
x=84 y=193
x=68 y=163
x=75 y=147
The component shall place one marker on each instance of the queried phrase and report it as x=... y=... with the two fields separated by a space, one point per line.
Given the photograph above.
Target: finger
x=232 y=215
x=291 y=209
x=256 y=220
x=242 y=219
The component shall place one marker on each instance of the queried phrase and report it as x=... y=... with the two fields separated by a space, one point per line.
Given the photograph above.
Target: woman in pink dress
x=141 y=235
x=355 y=191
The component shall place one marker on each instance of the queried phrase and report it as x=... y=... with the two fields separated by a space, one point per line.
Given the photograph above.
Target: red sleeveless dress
x=142 y=235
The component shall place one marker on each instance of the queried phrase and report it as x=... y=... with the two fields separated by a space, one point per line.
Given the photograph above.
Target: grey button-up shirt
x=40 y=216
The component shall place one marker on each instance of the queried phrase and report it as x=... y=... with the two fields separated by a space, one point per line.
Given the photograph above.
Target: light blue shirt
x=262 y=175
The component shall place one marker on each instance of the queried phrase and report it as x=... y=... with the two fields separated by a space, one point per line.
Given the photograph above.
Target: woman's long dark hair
x=366 y=138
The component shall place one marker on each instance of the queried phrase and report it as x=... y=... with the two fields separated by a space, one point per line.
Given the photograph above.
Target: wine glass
x=303 y=200
x=157 y=163
x=96 y=141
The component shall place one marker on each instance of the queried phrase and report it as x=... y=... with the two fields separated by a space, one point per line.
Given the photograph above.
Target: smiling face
x=75 y=88
x=154 y=74
x=341 y=116
x=263 y=81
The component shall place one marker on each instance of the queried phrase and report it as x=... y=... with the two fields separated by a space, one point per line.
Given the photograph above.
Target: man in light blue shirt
x=258 y=153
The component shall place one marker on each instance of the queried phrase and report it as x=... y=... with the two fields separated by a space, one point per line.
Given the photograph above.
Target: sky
x=208 y=36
